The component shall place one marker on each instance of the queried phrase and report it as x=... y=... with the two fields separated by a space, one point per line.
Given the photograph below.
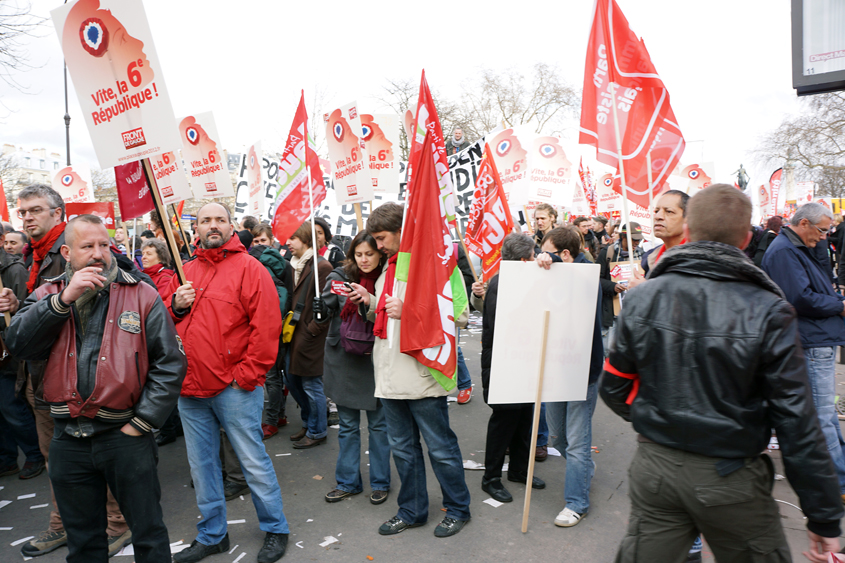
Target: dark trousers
x=81 y=469
x=173 y=425
x=17 y=425
x=676 y=495
x=508 y=428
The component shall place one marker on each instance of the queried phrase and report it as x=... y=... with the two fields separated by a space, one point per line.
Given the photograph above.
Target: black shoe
x=233 y=490
x=199 y=551
x=536 y=482
x=378 y=497
x=32 y=469
x=13 y=468
x=396 y=525
x=274 y=547
x=495 y=489
x=337 y=495
x=449 y=527
x=164 y=439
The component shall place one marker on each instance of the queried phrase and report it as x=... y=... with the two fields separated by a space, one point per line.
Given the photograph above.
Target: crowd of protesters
x=727 y=333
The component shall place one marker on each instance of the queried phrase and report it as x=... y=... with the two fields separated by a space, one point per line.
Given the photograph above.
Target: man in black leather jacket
x=707 y=360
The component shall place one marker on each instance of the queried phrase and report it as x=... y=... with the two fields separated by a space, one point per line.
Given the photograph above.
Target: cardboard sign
x=118 y=79
x=348 y=155
x=201 y=150
x=510 y=151
x=339 y=288
x=569 y=291
x=256 y=200
x=170 y=178
x=381 y=138
x=74 y=183
x=621 y=272
x=103 y=209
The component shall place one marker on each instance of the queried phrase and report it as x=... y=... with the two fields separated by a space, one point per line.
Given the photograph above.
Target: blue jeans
x=821 y=369
x=17 y=426
x=572 y=423
x=316 y=422
x=543 y=429
x=348 y=471
x=238 y=412
x=464 y=380
x=406 y=420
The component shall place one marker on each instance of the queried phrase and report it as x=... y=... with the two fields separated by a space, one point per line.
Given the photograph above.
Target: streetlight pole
x=67 y=117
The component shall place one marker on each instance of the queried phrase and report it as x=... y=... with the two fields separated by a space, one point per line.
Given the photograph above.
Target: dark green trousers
x=676 y=495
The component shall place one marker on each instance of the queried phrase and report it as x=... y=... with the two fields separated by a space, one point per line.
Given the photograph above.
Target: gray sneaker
x=45 y=543
x=116 y=543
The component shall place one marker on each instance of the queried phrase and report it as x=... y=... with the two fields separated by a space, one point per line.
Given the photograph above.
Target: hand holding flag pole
x=313 y=215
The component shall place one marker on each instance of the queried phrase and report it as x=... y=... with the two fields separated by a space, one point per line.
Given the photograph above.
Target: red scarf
x=380 y=328
x=368 y=282
x=663 y=249
x=322 y=251
x=40 y=248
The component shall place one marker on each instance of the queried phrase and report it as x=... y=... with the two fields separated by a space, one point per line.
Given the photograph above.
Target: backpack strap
x=300 y=303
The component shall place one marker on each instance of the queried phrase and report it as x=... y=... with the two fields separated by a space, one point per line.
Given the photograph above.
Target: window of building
x=42 y=164
x=26 y=162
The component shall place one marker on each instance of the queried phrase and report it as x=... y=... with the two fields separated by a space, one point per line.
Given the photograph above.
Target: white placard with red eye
x=74 y=183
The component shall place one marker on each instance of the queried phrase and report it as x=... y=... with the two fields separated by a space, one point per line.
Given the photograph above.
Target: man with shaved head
x=227 y=313
x=114 y=366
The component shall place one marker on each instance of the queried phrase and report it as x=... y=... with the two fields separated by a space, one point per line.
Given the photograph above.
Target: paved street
x=492 y=535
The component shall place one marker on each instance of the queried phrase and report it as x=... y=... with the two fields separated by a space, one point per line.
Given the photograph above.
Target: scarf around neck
x=39 y=249
x=299 y=264
x=368 y=282
x=380 y=328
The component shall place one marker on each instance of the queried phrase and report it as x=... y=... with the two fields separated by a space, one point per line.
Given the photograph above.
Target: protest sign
x=570 y=291
x=622 y=272
x=350 y=169
x=254 y=160
x=200 y=147
x=102 y=209
x=118 y=79
x=270 y=173
x=73 y=183
x=133 y=190
x=691 y=178
x=553 y=176
x=609 y=199
x=510 y=150
x=381 y=137
x=804 y=192
x=170 y=178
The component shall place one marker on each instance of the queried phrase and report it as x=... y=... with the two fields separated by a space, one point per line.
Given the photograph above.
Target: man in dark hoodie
x=705 y=362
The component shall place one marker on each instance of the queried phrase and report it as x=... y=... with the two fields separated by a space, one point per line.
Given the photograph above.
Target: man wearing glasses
x=790 y=263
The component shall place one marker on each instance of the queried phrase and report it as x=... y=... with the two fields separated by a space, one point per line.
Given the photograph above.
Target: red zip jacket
x=231 y=332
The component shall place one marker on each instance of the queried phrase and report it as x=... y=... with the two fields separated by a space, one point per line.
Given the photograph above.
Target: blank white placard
x=570 y=292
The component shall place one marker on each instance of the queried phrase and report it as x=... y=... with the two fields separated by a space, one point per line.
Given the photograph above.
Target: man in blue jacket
x=790 y=263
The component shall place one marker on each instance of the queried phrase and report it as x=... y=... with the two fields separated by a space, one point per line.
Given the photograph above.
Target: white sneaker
x=568 y=518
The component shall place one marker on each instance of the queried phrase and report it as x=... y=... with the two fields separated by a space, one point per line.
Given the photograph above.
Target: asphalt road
x=306 y=476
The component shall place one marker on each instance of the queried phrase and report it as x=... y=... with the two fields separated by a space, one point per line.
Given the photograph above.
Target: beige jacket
x=398 y=375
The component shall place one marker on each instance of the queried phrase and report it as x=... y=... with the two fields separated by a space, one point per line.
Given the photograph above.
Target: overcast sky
x=727 y=64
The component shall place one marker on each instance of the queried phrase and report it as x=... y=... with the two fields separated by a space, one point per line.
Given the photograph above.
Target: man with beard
x=228 y=316
x=114 y=365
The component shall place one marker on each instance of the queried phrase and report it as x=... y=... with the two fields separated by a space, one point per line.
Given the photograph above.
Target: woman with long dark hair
x=348 y=375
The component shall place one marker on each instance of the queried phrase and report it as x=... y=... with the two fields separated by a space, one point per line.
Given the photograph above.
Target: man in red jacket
x=227 y=314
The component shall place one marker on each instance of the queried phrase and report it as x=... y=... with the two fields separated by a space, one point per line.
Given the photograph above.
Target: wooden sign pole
x=359 y=217
x=165 y=222
x=528 y=220
x=535 y=426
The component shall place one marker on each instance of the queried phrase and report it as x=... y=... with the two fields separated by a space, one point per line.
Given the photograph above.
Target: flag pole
x=165 y=222
x=625 y=217
x=466 y=252
x=313 y=214
x=650 y=192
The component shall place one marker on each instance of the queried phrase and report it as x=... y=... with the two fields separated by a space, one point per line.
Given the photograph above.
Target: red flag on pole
x=133 y=190
x=427 y=262
x=589 y=189
x=619 y=71
x=426 y=122
x=293 y=203
x=490 y=218
x=4 y=205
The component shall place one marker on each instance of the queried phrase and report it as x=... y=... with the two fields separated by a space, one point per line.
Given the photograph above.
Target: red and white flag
x=426 y=121
x=133 y=190
x=775 y=192
x=619 y=72
x=589 y=189
x=292 y=205
x=490 y=218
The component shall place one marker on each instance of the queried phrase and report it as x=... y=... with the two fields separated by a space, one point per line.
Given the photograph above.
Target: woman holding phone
x=348 y=374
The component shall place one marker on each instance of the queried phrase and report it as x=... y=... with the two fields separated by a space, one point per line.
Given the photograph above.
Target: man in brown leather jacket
x=114 y=370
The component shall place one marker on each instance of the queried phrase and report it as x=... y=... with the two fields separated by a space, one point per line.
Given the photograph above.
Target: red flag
x=4 y=206
x=426 y=122
x=589 y=189
x=490 y=218
x=293 y=203
x=133 y=190
x=427 y=262
x=774 y=190
x=616 y=56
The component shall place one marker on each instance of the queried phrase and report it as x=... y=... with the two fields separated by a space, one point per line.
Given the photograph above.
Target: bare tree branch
x=16 y=24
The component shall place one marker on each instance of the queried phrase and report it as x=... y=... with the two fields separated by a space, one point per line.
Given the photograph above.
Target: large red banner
x=619 y=72
x=133 y=190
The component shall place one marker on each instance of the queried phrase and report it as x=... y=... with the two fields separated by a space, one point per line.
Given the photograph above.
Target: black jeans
x=81 y=468
x=508 y=427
